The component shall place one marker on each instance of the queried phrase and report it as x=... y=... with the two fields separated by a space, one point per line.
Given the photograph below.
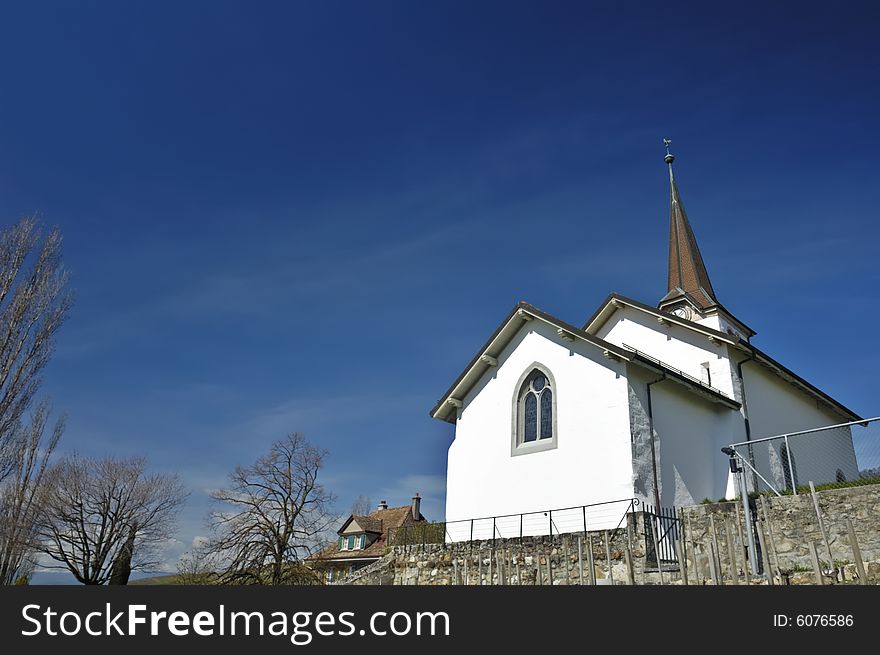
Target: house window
x=339 y=542
x=363 y=541
x=351 y=542
x=534 y=422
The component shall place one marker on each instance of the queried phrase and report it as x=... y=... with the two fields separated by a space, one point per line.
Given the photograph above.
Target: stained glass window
x=547 y=414
x=530 y=418
x=535 y=417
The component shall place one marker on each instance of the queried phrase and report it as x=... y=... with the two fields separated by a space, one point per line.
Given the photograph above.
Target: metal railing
x=830 y=457
x=678 y=371
x=607 y=515
x=835 y=456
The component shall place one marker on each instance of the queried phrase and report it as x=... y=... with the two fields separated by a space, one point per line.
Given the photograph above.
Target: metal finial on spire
x=669 y=158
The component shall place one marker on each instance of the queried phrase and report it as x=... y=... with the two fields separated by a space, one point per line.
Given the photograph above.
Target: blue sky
x=308 y=216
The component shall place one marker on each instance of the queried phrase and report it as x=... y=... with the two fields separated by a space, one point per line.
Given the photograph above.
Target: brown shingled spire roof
x=687 y=273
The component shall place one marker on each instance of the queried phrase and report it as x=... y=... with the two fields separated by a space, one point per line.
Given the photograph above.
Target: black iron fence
x=607 y=515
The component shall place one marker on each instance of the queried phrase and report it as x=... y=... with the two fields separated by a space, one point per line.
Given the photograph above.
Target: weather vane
x=669 y=158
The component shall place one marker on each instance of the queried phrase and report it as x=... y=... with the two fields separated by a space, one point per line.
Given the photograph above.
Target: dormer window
x=352 y=542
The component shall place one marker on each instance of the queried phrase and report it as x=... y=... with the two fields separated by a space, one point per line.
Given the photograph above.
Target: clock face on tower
x=683 y=312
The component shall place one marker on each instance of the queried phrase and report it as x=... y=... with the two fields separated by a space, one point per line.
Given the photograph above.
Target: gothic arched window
x=535 y=412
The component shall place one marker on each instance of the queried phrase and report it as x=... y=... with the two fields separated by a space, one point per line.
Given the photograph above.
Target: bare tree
x=29 y=452
x=361 y=506
x=34 y=301
x=197 y=567
x=98 y=517
x=272 y=515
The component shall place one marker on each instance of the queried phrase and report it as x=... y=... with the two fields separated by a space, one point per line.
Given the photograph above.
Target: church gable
x=560 y=364
x=522 y=317
x=692 y=352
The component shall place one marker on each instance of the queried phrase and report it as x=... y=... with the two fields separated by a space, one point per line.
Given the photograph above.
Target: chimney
x=383 y=504
x=416 y=506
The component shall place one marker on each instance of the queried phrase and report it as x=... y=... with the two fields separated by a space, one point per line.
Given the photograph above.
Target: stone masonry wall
x=531 y=560
x=789 y=525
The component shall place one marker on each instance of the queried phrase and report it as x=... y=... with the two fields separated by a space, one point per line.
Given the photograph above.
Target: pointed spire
x=687 y=272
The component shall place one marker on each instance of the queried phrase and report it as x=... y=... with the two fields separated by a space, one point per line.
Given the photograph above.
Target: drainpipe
x=653 y=448
x=744 y=492
x=745 y=408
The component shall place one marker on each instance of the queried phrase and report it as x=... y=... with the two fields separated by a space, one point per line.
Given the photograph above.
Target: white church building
x=637 y=403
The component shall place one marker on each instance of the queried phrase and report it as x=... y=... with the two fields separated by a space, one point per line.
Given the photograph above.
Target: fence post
x=550 y=564
x=716 y=552
x=747 y=514
x=814 y=555
x=608 y=558
x=630 y=573
x=712 y=565
x=768 y=571
x=731 y=551
x=472 y=530
x=551 y=522
x=857 y=552
x=584 y=508
x=742 y=542
x=682 y=561
x=590 y=561
x=493 y=531
x=491 y=557
x=790 y=466
x=771 y=542
x=821 y=524
x=581 y=559
x=567 y=562
x=656 y=546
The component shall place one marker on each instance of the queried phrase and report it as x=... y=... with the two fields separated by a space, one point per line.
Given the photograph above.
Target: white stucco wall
x=677 y=346
x=776 y=407
x=692 y=432
x=689 y=434
x=592 y=460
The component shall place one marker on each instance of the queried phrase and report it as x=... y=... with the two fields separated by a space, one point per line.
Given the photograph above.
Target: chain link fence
x=833 y=457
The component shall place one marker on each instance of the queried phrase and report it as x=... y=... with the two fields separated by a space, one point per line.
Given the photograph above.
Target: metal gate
x=662 y=530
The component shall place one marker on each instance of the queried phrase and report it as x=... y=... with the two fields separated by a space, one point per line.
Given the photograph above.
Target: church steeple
x=688 y=278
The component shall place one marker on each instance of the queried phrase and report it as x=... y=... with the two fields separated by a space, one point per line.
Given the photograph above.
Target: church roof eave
x=793 y=378
x=523 y=312
x=614 y=301
x=608 y=307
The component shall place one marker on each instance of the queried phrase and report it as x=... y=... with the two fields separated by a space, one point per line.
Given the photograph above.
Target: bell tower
x=690 y=294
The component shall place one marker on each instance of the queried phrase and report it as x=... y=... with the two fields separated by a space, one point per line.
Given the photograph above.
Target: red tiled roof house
x=362 y=539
